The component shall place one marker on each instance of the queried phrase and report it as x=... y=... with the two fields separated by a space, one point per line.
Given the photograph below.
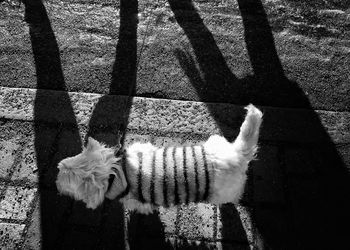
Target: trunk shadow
x=57 y=137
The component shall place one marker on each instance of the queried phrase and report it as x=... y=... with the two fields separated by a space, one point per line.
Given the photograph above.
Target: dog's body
x=148 y=176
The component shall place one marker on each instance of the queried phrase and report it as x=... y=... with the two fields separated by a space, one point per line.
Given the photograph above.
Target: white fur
x=85 y=176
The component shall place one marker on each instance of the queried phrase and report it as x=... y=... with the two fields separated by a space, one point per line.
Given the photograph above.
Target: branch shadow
x=216 y=74
x=144 y=231
x=322 y=200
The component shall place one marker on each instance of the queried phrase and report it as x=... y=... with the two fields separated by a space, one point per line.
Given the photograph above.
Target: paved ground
x=296 y=197
x=290 y=57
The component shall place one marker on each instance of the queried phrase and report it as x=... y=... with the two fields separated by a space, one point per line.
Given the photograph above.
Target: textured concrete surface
x=173 y=116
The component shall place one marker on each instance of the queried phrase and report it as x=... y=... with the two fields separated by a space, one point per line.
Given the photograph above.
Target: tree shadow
x=312 y=200
x=313 y=213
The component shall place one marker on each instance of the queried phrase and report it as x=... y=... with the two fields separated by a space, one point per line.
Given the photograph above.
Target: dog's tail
x=246 y=141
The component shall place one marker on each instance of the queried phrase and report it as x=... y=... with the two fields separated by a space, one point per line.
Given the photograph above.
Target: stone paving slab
x=32 y=238
x=16 y=203
x=10 y=235
x=7 y=152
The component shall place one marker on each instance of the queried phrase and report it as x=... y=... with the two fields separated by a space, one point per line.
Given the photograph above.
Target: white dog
x=147 y=176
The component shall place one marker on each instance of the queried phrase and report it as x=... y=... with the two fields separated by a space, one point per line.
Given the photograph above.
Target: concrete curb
x=171 y=116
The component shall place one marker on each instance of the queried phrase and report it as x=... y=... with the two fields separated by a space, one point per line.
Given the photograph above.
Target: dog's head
x=85 y=176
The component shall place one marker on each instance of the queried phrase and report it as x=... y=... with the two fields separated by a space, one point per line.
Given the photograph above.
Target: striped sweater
x=170 y=176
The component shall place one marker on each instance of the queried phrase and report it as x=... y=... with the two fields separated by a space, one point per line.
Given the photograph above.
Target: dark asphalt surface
x=275 y=53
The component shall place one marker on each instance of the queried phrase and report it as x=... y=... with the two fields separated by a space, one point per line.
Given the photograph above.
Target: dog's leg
x=143 y=208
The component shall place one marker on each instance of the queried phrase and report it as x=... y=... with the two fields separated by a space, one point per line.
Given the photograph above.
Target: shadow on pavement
x=315 y=182
x=217 y=80
x=316 y=207
x=147 y=232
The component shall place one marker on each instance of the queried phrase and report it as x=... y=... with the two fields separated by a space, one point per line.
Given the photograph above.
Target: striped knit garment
x=171 y=176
